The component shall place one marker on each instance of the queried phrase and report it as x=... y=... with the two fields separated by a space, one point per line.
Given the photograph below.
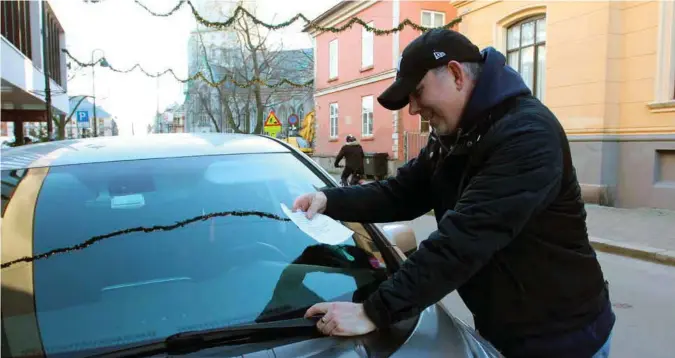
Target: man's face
x=441 y=96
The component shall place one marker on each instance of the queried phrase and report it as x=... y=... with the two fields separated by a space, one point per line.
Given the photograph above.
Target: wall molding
x=341 y=15
x=356 y=83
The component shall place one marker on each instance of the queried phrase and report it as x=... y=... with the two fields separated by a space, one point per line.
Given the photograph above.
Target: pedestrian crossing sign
x=272 y=120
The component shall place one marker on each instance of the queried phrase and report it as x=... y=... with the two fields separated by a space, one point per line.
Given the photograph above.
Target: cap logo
x=438 y=55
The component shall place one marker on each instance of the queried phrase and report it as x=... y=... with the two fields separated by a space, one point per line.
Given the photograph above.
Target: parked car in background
x=177 y=244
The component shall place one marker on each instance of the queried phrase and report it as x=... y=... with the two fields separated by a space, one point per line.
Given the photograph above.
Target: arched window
x=526 y=52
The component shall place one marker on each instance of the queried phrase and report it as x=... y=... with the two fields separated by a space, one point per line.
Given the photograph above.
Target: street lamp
x=103 y=63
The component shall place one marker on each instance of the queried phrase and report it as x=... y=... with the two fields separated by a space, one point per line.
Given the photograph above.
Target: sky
x=126 y=34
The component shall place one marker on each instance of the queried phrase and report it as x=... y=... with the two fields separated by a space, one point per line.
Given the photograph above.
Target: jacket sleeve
x=521 y=176
x=403 y=197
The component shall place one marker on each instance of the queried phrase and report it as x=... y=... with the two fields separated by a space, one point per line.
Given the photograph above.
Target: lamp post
x=103 y=63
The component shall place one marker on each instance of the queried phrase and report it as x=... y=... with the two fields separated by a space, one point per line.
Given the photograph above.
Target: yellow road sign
x=272 y=120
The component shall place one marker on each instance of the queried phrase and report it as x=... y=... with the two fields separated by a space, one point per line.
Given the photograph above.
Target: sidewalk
x=647 y=234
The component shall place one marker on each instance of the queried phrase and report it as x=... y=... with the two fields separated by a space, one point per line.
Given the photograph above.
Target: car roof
x=152 y=146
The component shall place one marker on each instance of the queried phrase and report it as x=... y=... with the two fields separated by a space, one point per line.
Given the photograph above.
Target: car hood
x=436 y=335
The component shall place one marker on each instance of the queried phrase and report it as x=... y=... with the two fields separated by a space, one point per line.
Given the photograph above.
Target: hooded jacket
x=353 y=154
x=511 y=235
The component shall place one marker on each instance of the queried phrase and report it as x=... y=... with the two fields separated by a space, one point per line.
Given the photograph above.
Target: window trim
x=664 y=79
x=333 y=57
x=372 y=116
x=431 y=18
x=523 y=13
x=535 y=45
x=330 y=120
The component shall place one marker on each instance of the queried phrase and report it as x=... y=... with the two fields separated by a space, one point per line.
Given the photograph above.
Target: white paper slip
x=321 y=228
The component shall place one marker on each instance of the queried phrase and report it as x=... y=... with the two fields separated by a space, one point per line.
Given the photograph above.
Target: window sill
x=367 y=138
x=367 y=68
x=332 y=79
x=333 y=139
x=662 y=107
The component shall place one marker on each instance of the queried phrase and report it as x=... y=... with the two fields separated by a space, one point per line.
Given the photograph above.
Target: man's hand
x=341 y=318
x=311 y=203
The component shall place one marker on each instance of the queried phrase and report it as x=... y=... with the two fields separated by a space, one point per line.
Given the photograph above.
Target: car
x=178 y=244
x=10 y=141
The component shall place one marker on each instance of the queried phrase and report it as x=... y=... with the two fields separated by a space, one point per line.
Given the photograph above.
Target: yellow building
x=607 y=70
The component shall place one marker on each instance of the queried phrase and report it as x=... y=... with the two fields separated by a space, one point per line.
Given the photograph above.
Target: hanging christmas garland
x=198 y=75
x=239 y=11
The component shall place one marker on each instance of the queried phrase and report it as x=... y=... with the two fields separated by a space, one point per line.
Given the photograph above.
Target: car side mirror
x=401 y=236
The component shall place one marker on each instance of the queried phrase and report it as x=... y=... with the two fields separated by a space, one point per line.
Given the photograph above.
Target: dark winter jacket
x=511 y=235
x=353 y=154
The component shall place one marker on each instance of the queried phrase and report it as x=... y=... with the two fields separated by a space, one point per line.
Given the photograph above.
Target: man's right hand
x=311 y=203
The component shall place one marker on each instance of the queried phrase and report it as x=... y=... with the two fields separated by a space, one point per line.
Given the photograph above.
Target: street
x=642 y=294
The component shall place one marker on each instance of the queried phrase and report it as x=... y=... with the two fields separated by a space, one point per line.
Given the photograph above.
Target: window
x=333 y=71
x=664 y=90
x=367 y=116
x=367 y=45
x=53 y=57
x=15 y=19
x=433 y=18
x=204 y=119
x=333 y=120
x=526 y=52
x=425 y=125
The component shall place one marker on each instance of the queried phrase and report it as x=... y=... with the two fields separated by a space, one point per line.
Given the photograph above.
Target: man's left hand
x=341 y=318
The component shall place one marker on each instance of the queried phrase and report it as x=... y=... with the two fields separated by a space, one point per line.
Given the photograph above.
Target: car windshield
x=148 y=248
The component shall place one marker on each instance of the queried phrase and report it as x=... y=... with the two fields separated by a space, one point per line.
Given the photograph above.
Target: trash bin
x=375 y=164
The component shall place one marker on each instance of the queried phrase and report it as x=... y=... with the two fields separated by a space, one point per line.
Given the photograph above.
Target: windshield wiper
x=193 y=341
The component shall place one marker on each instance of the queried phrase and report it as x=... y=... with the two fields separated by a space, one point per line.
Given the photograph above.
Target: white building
x=208 y=47
x=24 y=59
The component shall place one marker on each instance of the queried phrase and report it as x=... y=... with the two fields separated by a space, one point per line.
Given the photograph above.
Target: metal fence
x=413 y=142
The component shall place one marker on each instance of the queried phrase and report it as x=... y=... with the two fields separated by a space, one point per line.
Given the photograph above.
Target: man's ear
x=457 y=71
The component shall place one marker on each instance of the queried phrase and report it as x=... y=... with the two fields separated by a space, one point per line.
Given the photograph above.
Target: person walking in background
x=353 y=154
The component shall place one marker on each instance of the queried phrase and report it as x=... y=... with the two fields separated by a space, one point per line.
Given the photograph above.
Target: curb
x=646 y=253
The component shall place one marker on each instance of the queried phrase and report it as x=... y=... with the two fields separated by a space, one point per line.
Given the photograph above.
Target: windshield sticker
x=132 y=201
x=179 y=224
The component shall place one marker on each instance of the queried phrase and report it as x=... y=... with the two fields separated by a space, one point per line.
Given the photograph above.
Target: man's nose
x=413 y=108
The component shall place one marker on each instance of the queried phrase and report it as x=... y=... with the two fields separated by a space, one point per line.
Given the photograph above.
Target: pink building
x=354 y=66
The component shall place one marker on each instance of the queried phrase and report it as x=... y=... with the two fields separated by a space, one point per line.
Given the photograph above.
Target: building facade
x=25 y=59
x=354 y=66
x=607 y=70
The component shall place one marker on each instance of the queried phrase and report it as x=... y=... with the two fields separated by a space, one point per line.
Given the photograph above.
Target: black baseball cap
x=432 y=49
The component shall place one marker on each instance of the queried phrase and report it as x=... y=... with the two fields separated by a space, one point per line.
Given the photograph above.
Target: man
x=511 y=235
x=352 y=152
